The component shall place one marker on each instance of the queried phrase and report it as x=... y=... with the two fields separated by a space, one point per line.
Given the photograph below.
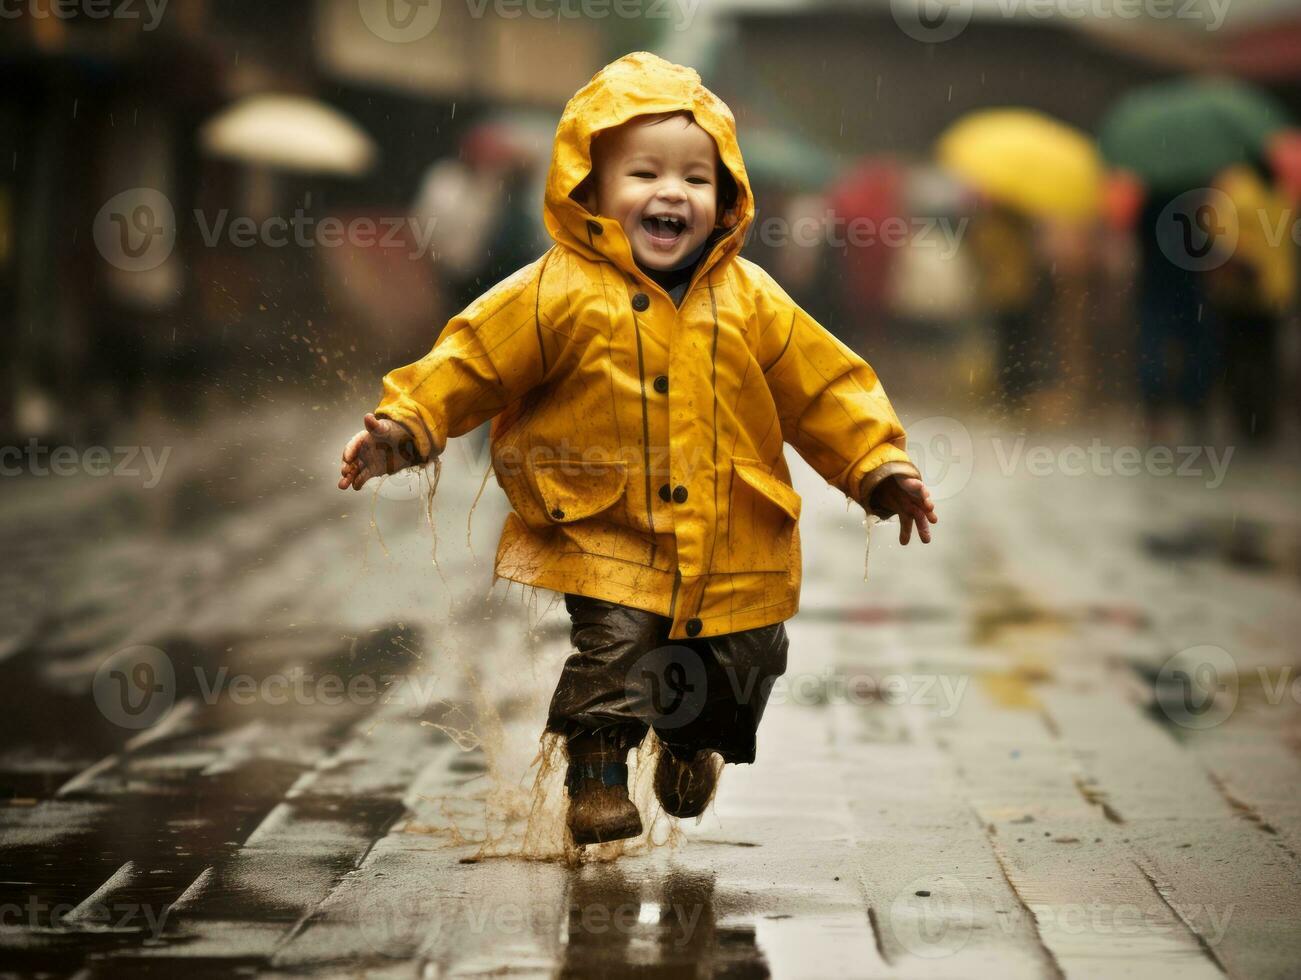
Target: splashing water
x=516 y=808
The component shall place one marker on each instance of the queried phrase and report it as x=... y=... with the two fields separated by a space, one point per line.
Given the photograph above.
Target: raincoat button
x=640 y=302
x=661 y=384
x=664 y=493
x=693 y=627
x=557 y=513
x=594 y=227
x=680 y=494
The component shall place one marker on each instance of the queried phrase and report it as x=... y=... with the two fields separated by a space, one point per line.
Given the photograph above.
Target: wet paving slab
x=982 y=761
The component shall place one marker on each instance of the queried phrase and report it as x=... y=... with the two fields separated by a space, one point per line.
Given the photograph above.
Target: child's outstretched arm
x=836 y=414
x=487 y=357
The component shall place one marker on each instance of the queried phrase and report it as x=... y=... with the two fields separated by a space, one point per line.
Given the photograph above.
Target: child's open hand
x=908 y=497
x=383 y=447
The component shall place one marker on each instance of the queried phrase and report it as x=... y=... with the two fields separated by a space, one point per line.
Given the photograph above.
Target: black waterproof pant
x=705 y=693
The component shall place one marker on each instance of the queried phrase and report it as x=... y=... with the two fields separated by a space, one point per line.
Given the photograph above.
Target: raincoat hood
x=637 y=84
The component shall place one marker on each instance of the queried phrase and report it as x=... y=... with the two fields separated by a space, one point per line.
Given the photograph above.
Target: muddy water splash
x=516 y=809
x=533 y=822
x=469 y=518
x=867 y=542
x=525 y=819
x=427 y=493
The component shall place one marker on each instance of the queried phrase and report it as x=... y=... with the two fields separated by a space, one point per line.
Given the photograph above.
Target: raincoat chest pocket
x=563 y=491
x=762 y=513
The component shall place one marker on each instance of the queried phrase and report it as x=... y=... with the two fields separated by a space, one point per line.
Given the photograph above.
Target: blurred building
x=103 y=106
x=115 y=105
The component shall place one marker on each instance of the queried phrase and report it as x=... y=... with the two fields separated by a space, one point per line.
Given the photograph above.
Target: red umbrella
x=1284 y=152
x=867 y=196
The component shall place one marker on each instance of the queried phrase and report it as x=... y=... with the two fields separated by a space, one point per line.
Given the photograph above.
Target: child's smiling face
x=659 y=179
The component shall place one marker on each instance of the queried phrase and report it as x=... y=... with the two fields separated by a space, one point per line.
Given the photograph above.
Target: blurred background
x=135 y=139
x=1065 y=234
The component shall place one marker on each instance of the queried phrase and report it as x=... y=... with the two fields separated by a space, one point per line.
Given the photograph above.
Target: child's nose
x=672 y=190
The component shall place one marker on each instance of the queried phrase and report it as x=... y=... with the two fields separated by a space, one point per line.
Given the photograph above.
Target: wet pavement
x=253 y=726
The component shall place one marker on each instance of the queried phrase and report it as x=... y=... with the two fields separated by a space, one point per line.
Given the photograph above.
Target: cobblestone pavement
x=251 y=728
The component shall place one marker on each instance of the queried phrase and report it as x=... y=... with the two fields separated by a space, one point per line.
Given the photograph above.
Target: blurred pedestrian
x=1176 y=340
x=1016 y=291
x=1250 y=292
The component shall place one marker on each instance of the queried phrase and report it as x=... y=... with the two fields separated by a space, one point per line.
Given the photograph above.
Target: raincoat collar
x=637 y=84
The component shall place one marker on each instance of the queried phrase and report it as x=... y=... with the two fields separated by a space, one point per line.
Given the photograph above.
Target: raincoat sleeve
x=832 y=407
x=488 y=356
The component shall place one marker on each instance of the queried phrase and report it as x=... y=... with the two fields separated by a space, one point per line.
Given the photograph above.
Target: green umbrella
x=785 y=159
x=1178 y=135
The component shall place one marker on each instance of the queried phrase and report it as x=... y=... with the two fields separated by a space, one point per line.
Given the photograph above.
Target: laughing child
x=642 y=379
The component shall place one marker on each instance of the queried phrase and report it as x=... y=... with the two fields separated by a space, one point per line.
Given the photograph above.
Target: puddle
x=1240 y=543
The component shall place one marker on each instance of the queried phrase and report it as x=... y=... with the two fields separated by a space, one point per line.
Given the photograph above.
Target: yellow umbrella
x=1027 y=161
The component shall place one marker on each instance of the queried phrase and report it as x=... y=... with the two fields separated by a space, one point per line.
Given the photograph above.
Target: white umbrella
x=292 y=132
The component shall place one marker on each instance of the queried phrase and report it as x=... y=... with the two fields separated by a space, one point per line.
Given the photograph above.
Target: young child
x=641 y=378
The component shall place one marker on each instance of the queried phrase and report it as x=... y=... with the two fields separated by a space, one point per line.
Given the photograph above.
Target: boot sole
x=697 y=801
x=683 y=813
x=604 y=833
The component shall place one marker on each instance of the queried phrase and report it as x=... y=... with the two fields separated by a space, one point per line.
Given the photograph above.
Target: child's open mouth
x=664 y=229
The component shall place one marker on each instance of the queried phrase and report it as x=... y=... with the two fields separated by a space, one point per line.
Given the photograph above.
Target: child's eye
x=644 y=173
x=697 y=180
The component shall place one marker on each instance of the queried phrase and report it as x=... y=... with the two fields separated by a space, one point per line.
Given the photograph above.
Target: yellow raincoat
x=1260 y=278
x=639 y=443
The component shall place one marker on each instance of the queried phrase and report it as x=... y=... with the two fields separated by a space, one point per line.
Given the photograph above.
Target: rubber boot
x=684 y=788
x=597 y=781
